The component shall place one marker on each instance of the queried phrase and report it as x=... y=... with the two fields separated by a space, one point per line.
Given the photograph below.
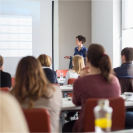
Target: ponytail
x=105 y=67
x=98 y=59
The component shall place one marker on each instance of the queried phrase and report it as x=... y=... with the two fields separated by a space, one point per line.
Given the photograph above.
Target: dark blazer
x=51 y=75
x=125 y=75
x=124 y=71
x=5 y=79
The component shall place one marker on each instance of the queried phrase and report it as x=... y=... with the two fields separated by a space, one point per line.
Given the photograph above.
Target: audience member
x=78 y=64
x=96 y=81
x=33 y=90
x=125 y=71
x=46 y=62
x=11 y=116
x=5 y=78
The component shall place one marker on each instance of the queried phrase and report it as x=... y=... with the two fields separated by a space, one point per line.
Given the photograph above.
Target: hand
x=84 y=71
x=67 y=57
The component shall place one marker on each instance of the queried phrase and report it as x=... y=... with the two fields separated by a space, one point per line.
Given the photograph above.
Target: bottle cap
x=103 y=102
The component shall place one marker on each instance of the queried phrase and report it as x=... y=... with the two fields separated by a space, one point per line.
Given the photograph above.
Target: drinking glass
x=61 y=76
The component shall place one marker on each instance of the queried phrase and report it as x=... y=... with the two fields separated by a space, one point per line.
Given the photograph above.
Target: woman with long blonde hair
x=78 y=64
x=33 y=90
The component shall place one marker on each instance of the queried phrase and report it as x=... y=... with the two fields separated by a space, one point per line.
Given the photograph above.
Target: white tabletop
x=66 y=88
x=68 y=105
x=128 y=104
x=61 y=81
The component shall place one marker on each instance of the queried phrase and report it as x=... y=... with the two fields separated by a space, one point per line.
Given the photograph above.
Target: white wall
x=106 y=27
x=74 y=19
x=117 y=33
x=102 y=24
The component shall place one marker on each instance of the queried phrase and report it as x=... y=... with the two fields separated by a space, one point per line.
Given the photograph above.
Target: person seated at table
x=125 y=71
x=12 y=119
x=33 y=90
x=78 y=64
x=5 y=78
x=129 y=120
x=46 y=62
x=96 y=81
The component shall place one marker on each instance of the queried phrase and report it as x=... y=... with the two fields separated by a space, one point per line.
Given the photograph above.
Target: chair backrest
x=61 y=71
x=38 y=120
x=126 y=85
x=6 y=89
x=71 y=81
x=13 y=81
x=118 y=116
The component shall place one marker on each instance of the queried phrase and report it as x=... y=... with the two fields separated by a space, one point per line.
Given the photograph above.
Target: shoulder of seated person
x=6 y=73
x=71 y=71
x=57 y=89
x=117 y=68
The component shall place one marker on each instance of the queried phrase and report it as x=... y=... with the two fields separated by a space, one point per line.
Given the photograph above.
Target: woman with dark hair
x=33 y=90
x=79 y=50
x=96 y=81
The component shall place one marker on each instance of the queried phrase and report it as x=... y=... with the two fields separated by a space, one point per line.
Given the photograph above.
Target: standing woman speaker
x=79 y=50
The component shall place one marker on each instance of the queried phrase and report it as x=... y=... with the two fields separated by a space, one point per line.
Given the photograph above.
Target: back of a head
x=97 y=57
x=30 y=81
x=81 y=38
x=1 y=61
x=45 y=60
x=78 y=63
x=128 y=52
x=11 y=115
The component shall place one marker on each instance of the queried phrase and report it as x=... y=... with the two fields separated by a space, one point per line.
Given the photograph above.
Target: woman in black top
x=46 y=62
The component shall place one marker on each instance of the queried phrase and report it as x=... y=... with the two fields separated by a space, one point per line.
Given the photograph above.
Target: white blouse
x=70 y=74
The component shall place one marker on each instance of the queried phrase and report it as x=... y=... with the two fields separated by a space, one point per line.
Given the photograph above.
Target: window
x=127 y=23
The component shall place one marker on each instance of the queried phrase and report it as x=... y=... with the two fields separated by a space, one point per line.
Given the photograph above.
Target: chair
x=13 y=81
x=126 y=84
x=61 y=71
x=71 y=81
x=6 y=89
x=38 y=120
x=118 y=116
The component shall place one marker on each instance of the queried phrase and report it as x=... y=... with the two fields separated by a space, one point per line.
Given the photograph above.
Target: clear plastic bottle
x=103 y=115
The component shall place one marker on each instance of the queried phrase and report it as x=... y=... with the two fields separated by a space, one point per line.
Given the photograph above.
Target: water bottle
x=103 y=114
